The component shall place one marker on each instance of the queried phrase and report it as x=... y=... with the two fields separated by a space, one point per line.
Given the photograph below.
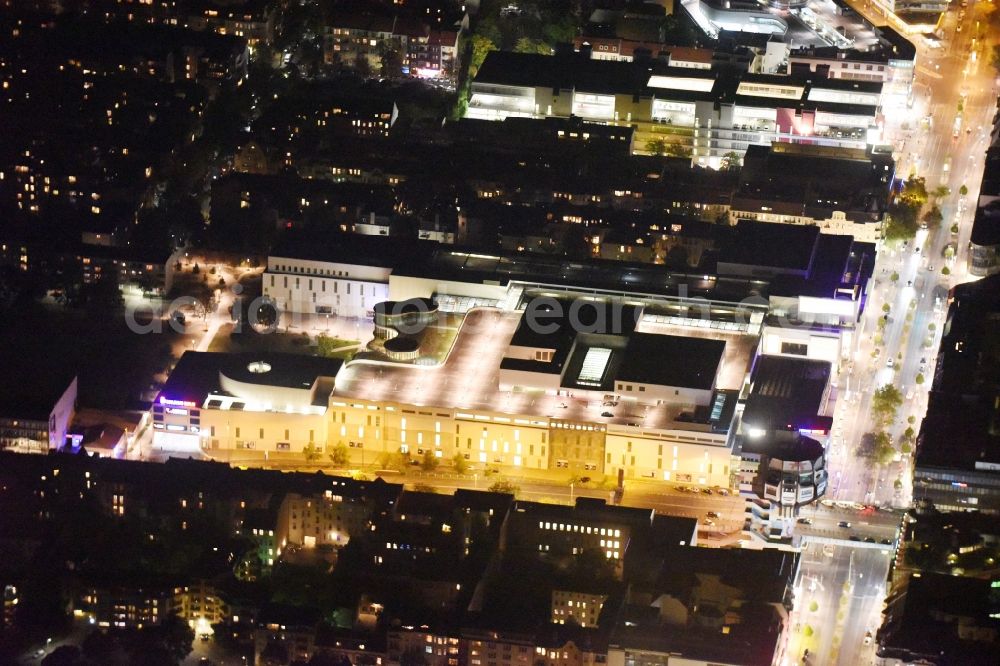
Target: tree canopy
x=904 y=211
x=885 y=402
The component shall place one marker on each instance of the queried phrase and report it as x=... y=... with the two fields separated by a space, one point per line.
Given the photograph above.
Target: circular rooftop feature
x=258 y=367
x=401 y=344
x=402 y=348
x=408 y=317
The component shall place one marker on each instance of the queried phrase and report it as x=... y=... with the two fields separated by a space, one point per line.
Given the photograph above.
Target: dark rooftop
x=429 y=259
x=986 y=228
x=770 y=248
x=923 y=624
x=586 y=508
x=670 y=360
x=752 y=641
x=428 y=505
x=962 y=418
x=787 y=393
x=197 y=373
x=356 y=249
x=815 y=181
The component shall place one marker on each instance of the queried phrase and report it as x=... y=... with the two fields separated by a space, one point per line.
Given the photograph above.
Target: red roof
x=691 y=54
x=443 y=38
x=623 y=47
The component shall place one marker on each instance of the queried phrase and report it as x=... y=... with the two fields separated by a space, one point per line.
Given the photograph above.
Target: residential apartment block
x=392 y=43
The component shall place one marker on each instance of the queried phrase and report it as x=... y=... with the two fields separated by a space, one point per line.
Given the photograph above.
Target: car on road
x=855 y=537
x=845 y=524
x=712 y=514
x=607 y=415
x=890 y=363
x=868 y=638
x=887 y=542
x=870 y=540
x=805 y=521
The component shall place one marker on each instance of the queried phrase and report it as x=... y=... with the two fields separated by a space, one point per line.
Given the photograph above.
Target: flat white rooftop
x=469 y=378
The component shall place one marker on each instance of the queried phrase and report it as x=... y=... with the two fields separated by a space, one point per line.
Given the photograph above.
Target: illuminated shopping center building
x=528 y=362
